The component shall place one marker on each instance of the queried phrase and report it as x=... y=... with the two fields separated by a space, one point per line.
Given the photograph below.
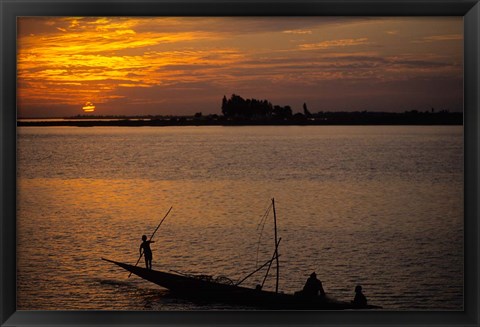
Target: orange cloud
x=334 y=44
x=298 y=32
x=94 y=51
x=437 y=38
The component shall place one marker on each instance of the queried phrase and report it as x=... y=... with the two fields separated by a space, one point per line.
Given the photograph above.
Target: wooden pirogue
x=223 y=290
x=209 y=290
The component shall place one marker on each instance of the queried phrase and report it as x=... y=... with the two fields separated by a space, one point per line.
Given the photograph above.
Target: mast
x=276 y=244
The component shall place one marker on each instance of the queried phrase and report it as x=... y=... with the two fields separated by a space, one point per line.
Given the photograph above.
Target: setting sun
x=88 y=107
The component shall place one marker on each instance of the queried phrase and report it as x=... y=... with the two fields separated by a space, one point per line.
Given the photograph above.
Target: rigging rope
x=261 y=225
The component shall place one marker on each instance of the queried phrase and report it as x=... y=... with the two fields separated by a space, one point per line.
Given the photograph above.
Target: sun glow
x=88 y=107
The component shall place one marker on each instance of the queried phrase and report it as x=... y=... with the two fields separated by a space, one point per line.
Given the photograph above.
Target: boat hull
x=203 y=290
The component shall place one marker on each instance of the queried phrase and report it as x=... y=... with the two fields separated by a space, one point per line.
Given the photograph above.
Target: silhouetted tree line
x=239 y=108
x=262 y=111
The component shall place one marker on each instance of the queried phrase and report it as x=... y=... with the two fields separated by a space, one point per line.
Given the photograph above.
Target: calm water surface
x=376 y=206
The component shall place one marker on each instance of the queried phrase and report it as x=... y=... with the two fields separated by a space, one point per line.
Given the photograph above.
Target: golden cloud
x=88 y=52
x=334 y=44
x=439 y=38
x=298 y=32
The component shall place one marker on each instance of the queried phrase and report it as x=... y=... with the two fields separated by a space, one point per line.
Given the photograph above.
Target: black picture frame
x=10 y=10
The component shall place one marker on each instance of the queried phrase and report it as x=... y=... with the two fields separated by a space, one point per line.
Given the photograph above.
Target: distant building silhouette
x=306 y=112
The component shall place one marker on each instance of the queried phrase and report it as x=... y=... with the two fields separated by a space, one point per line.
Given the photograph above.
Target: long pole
x=271 y=261
x=276 y=244
x=153 y=234
x=262 y=266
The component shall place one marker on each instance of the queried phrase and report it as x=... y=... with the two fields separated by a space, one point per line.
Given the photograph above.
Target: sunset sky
x=179 y=66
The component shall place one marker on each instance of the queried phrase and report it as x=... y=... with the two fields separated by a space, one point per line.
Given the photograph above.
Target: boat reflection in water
x=224 y=290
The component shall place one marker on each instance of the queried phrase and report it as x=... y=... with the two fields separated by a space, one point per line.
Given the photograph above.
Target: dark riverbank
x=327 y=118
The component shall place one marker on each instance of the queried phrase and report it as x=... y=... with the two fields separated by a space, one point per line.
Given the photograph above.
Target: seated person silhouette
x=360 y=300
x=313 y=286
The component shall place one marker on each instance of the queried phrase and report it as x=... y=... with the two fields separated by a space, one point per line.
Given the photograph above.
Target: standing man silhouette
x=147 y=252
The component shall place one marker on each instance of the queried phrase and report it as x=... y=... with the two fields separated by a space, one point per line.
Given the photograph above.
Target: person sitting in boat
x=147 y=252
x=360 y=299
x=313 y=286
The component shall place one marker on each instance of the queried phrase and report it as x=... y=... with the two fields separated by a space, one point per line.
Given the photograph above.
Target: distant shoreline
x=318 y=119
x=167 y=123
x=123 y=123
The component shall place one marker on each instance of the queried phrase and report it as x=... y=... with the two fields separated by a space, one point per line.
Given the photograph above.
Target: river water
x=378 y=206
